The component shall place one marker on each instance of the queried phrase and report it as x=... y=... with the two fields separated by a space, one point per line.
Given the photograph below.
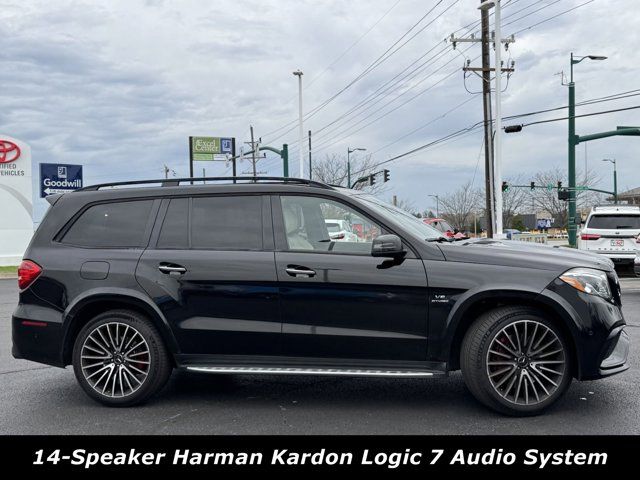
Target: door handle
x=297 y=271
x=164 y=268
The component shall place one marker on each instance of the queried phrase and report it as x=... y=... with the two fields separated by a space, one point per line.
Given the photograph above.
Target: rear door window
x=227 y=223
x=615 y=222
x=175 y=227
x=111 y=225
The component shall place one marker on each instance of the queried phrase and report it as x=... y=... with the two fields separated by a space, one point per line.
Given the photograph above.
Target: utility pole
x=298 y=73
x=253 y=151
x=492 y=163
x=310 y=166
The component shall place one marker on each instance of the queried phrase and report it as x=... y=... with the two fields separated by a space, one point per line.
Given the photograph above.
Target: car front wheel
x=516 y=361
x=120 y=359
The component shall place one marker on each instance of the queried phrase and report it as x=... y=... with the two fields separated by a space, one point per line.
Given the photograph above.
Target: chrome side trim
x=315 y=371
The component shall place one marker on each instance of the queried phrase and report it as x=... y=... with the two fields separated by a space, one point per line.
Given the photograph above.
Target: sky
x=119 y=86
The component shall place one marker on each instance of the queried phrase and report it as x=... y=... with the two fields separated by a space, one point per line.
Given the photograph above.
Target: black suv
x=237 y=276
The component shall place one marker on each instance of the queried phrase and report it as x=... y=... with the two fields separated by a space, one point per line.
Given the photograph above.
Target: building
x=632 y=197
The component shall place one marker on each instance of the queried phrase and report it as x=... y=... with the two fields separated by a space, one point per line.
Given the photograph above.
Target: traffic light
x=563 y=194
x=505 y=186
x=533 y=185
x=372 y=180
x=386 y=175
x=559 y=185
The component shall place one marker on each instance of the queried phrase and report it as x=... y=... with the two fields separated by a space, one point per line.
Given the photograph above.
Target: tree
x=546 y=199
x=406 y=205
x=333 y=170
x=514 y=200
x=458 y=206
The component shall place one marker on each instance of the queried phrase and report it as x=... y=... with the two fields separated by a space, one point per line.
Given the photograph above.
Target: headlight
x=588 y=280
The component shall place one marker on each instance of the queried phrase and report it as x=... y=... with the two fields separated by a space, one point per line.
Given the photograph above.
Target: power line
x=388 y=53
x=328 y=67
x=635 y=107
x=555 y=16
x=531 y=13
x=381 y=90
x=475 y=126
x=412 y=74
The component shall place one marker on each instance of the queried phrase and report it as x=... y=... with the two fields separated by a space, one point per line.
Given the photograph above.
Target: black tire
x=510 y=324
x=151 y=358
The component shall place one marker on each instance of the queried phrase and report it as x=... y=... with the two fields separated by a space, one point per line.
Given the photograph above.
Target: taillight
x=589 y=236
x=28 y=271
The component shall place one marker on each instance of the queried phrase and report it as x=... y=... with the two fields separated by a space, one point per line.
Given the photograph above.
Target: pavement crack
x=25 y=370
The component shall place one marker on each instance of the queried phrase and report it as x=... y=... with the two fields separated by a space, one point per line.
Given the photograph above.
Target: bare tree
x=514 y=201
x=459 y=205
x=333 y=170
x=547 y=198
x=406 y=205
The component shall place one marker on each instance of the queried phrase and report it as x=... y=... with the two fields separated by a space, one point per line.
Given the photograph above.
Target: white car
x=612 y=231
x=340 y=231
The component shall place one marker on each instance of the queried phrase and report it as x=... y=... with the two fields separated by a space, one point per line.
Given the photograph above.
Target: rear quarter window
x=615 y=222
x=115 y=224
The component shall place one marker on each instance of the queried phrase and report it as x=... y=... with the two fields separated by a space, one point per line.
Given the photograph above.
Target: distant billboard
x=59 y=178
x=207 y=149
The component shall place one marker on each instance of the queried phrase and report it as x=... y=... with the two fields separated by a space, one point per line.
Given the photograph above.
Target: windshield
x=333 y=227
x=413 y=224
x=615 y=222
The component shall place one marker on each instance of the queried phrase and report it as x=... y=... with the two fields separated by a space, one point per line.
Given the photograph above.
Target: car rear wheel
x=120 y=359
x=516 y=361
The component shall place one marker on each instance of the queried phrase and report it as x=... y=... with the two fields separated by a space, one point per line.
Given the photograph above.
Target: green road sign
x=205 y=148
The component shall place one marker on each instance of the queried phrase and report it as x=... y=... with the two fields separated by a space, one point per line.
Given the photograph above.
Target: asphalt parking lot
x=37 y=399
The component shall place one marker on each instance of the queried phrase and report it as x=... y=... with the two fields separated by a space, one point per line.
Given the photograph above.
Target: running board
x=352 y=372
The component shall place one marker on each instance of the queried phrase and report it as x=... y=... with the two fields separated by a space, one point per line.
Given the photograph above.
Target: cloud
x=120 y=86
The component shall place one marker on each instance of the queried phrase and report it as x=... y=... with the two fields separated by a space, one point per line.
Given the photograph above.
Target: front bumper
x=615 y=354
x=596 y=326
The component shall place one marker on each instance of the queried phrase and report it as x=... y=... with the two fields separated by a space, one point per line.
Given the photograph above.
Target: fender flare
x=546 y=298
x=125 y=296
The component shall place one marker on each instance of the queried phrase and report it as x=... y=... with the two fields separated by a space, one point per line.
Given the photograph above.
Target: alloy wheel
x=115 y=359
x=526 y=362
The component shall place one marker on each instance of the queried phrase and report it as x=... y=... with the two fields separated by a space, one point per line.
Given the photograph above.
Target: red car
x=445 y=228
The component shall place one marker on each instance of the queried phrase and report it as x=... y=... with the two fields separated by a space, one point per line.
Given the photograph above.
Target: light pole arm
x=627 y=131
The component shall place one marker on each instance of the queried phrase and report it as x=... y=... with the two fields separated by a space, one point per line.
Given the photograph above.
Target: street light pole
x=573 y=141
x=497 y=172
x=615 y=179
x=349 y=152
x=298 y=73
x=437 y=205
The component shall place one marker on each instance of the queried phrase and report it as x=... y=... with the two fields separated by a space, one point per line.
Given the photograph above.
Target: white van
x=612 y=231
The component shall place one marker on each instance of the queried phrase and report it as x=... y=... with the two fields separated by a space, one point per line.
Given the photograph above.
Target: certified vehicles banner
x=16 y=227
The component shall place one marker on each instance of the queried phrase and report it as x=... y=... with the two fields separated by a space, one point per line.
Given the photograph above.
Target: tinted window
x=175 y=228
x=615 y=222
x=118 y=224
x=230 y=223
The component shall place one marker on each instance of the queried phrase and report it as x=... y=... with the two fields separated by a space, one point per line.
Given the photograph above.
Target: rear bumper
x=622 y=257
x=36 y=333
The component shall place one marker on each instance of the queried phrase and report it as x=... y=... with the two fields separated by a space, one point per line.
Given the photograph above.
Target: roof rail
x=174 y=182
